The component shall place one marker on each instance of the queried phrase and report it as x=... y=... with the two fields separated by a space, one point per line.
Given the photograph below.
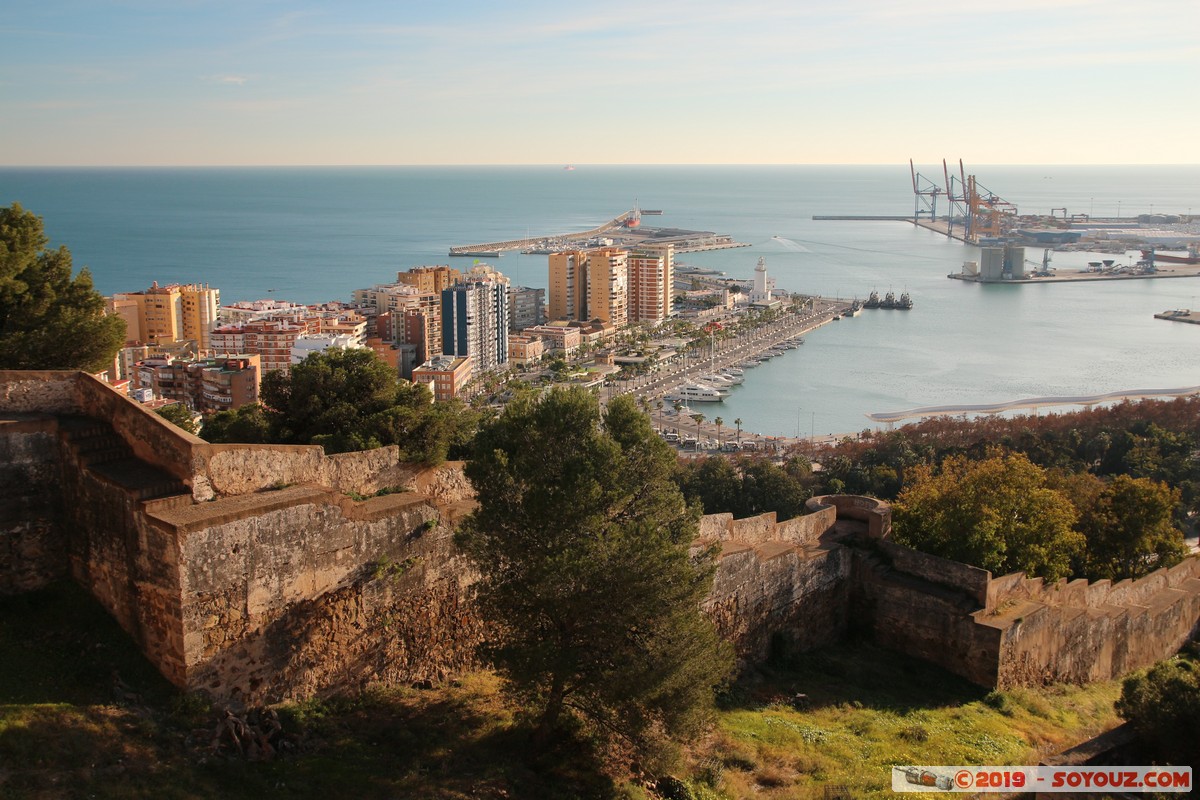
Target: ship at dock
x=902 y=303
x=1192 y=256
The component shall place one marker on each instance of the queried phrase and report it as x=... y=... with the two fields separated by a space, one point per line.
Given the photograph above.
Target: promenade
x=726 y=352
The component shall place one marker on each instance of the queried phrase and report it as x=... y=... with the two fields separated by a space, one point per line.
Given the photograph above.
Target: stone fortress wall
x=263 y=573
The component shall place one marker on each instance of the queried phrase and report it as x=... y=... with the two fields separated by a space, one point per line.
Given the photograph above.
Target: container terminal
x=1169 y=244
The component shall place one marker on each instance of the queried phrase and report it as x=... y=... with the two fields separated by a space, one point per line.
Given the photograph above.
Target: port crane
x=925 y=194
x=959 y=209
x=989 y=212
x=1043 y=269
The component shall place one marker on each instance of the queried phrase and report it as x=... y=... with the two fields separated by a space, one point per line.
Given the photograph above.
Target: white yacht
x=698 y=392
x=718 y=380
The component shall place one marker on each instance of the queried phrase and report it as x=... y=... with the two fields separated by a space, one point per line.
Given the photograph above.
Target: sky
x=275 y=82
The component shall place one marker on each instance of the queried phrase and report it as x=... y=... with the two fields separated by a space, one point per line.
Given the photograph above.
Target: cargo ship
x=1192 y=256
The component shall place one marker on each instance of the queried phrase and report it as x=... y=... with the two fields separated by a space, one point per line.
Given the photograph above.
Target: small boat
x=714 y=379
x=732 y=380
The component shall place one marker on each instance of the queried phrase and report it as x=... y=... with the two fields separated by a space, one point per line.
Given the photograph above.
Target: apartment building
x=651 y=283
x=608 y=286
x=475 y=323
x=205 y=385
x=172 y=313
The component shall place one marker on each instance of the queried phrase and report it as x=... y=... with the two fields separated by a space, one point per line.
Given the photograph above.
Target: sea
x=314 y=234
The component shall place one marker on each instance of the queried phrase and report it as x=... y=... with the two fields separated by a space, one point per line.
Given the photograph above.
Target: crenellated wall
x=779 y=587
x=1076 y=632
x=251 y=573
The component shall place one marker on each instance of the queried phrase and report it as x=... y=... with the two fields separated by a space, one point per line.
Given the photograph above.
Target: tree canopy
x=178 y=415
x=1163 y=705
x=582 y=542
x=347 y=400
x=998 y=514
x=747 y=486
x=1130 y=530
x=49 y=319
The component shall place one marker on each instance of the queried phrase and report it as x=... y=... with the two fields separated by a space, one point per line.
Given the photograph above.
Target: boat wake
x=791 y=244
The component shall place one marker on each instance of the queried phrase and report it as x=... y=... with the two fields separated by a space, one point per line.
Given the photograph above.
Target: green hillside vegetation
x=82 y=714
x=1101 y=493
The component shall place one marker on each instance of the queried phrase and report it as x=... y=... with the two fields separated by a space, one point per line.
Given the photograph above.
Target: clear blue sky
x=672 y=81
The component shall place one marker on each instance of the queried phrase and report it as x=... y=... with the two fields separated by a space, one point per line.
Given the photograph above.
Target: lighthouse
x=762 y=284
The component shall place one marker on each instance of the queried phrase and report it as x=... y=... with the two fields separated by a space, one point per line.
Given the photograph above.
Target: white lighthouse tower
x=763 y=286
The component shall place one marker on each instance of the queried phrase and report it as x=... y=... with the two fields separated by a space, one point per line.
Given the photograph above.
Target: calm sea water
x=315 y=234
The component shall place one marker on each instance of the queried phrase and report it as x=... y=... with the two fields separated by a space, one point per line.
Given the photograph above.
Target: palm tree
x=738 y=422
x=697 y=418
x=718 y=422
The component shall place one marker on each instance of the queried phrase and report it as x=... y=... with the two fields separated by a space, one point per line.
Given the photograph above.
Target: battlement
x=259 y=573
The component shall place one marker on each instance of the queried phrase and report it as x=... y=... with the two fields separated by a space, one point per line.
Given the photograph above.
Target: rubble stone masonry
x=263 y=573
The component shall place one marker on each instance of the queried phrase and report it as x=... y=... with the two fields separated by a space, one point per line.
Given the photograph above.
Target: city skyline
x=872 y=81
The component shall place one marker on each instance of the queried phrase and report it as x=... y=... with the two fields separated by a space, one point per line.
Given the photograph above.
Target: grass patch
x=869 y=709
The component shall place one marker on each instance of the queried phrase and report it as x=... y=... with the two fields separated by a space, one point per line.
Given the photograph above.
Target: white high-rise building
x=475 y=323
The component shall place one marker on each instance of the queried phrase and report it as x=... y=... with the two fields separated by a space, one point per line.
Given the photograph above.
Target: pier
x=617 y=229
x=1180 y=315
x=492 y=248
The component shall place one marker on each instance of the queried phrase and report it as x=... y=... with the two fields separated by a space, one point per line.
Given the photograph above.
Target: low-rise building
x=445 y=376
x=308 y=343
x=272 y=340
x=205 y=385
x=524 y=350
x=558 y=336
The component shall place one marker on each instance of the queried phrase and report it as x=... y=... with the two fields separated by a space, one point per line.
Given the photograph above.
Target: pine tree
x=582 y=541
x=49 y=319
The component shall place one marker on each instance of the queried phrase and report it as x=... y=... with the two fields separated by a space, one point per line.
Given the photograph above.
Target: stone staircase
x=101 y=452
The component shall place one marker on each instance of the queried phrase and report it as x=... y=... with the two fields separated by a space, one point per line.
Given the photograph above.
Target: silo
x=970 y=269
x=1014 y=261
x=991 y=263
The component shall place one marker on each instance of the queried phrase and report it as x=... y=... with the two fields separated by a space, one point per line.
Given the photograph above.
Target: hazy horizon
x=466 y=83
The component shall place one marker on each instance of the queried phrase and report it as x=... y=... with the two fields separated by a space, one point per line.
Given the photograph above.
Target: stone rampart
x=210 y=470
x=1076 y=632
x=301 y=591
x=254 y=574
x=779 y=587
x=256 y=594
x=876 y=514
x=31 y=536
